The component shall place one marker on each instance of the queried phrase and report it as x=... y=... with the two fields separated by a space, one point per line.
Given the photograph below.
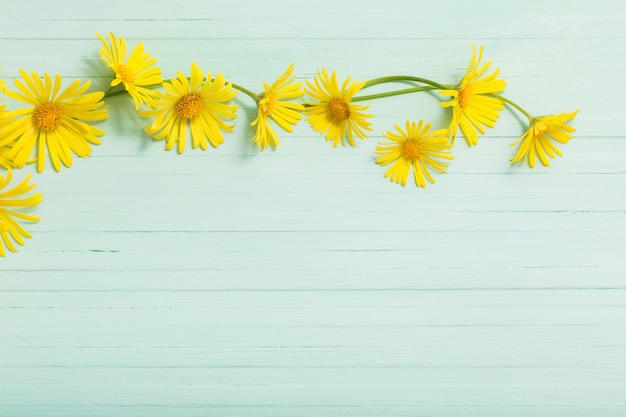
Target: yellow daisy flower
x=136 y=73
x=414 y=147
x=332 y=114
x=195 y=102
x=273 y=104
x=52 y=119
x=10 y=230
x=536 y=141
x=6 y=161
x=472 y=107
x=5 y=157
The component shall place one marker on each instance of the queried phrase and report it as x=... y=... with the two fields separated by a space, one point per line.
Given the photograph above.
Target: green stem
x=513 y=104
x=115 y=93
x=254 y=96
x=108 y=92
x=395 y=78
x=394 y=93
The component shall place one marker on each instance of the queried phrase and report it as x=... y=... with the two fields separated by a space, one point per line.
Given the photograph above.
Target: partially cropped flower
x=11 y=231
x=136 y=73
x=537 y=141
x=274 y=103
x=333 y=114
x=6 y=161
x=52 y=120
x=414 y=147
x=197 y=103
x=472 y=107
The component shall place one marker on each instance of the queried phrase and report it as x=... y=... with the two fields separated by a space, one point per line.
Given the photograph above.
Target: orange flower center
x=47 y=117
x=267 y=104
x=465 y=96
x=189 y=106
x=125 y=74
x=412 y=150
x=339 y=109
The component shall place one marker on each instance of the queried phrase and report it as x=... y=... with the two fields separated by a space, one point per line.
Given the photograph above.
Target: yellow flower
x=5 y=157
x=136 y=73
x=414 y=147
x=196 y=102
x=6 y=161
x=10 y=230
x=52 y=119
x=472 y=108
x=536 y=141
x=332 y=114
x=273 y=104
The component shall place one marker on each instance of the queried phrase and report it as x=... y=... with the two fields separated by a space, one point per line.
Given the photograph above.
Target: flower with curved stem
x=333 y=114
x=414 y=147
x=54 y=119
x=274 y=103
x=10 y=230
x=472 y=107
x=197 y=103
x=136 y=73
x=536 y=141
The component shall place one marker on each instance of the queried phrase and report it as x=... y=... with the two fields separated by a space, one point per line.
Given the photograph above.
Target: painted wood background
x=301 y=282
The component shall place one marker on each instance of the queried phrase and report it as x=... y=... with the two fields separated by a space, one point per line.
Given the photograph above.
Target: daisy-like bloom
x=274 y=104
x=195 y=102
x=472 y=107
x=414 y=147
x=10 y=230
x=5 y=158
x=53 y=120
x=536 y=141
x=6 y=161
x=136 y=73
x=332 y=114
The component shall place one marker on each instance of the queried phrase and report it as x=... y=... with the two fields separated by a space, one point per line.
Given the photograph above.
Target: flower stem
x=394 y=93
x=513 y=104
x=108 y=92
x=395 y=78
x=252 y=95
x=114 y=93
x=111 y=93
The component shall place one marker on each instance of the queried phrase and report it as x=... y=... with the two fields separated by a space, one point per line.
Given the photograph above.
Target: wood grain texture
x=301 y=282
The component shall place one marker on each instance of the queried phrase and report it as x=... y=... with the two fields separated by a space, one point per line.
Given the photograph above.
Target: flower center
x=267 y=104
x=125 y=74
x=539 y=127
x=412 y=150
x=189 y=106
x=339 y=109
x=465 y=96
x=47 y=116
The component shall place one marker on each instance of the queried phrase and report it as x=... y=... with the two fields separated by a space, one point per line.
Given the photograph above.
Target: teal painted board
x=300 y=281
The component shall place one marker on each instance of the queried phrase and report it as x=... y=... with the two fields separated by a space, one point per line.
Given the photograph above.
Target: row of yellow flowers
x=57 y=123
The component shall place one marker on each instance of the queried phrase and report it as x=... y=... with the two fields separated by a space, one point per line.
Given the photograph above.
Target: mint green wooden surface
x=301 y=282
